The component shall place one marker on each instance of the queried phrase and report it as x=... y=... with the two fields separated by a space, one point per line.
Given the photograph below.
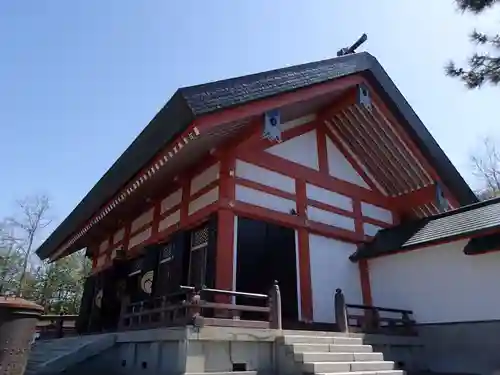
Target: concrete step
x=293 y=332
x=297 y=339
x=334 y=367
x=338 y=357
x=321 y=348
x=54 y=356
x=388 y=372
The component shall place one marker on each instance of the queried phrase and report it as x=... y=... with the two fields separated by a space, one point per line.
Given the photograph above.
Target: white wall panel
x=332 y=269
x=118 y=236
x=262 y=199
x=375 y=212
x=139 y=238
x=204 y=178
x=171 y=201
x=330 y=218
x=145 y=218
x=328 y=197
x=440 y=283
x=204 y=200
x=370 y=229
x=170 y=220
x=301 y=150
x=340 y=167
x=264 y=176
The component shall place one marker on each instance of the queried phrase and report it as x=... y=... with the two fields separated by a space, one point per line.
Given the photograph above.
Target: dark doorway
x=266 y=252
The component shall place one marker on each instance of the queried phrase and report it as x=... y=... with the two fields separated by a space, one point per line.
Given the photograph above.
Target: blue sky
x=80 y=79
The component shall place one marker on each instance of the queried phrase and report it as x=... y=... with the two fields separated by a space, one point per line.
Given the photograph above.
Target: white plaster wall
x=328 y=197
x=171 y=200
x=264 y=176
x=262 y=199
x=145 y=218
x=339 y=166
x=170 y=220
x=439 y=283
x=370 y=229
x=140 y=238
x=301 y=150
x=330 y=218
x=204 y=178
x=375 y=212
x=332 y=269
x=204 y=200
x=118 y=236
x=103 y=246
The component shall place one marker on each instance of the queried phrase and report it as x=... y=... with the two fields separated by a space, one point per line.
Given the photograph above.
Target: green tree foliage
x=56 y=286
x=484 y=65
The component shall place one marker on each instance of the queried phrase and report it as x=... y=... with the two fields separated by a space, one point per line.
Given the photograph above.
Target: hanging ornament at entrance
x=98 y=299
x=272 y=126
x=147 y=282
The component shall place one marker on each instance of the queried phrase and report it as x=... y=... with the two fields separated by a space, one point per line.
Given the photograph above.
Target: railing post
x=275 y=317
x=341 y=311
x=194 y=310
x=59 y=326
x=123 y=311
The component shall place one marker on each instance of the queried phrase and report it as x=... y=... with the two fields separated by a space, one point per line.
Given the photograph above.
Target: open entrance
x=265 y=253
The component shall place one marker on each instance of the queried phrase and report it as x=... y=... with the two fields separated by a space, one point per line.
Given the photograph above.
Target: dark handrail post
x=59 y=325
x=275 y=318
x=123 y=311
x=341 y=311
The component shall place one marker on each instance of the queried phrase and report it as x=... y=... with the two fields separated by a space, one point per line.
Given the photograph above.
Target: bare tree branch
x=486 y=167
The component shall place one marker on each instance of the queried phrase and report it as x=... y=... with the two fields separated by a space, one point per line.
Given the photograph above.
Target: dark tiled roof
x=190 y=102
x=471 y=220
x=484 y=244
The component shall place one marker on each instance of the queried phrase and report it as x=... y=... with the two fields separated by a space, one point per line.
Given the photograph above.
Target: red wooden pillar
x=364 y=271
x=303 y=256
x=225 y=225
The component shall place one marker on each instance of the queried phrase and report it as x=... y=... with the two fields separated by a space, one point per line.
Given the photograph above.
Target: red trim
x=416 y=198
x=126 y=236
x=186 y=187
x=364 y=272
x=156 y=219
x=408 y=141
x=225 y=227
x=291 y=169
x=264 y=188
x=340 y=211
x=306 y=302
x=256 y=142
x=322 y=151
x=258 y=107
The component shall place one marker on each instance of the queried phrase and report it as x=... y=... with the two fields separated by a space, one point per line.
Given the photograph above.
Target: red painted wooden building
x=220 y=204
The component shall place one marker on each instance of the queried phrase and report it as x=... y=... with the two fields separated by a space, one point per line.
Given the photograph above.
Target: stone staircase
x=331 y=353
x=54 y=356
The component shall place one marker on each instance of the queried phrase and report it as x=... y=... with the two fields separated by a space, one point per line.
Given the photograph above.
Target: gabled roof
x=189 y=103
x=472 y=220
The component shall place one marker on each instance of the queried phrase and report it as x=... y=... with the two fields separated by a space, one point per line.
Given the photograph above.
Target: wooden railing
x=56 y=326
x=200 y=307
x=371 y=319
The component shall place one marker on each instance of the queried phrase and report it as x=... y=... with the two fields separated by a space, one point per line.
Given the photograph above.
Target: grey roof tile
x=471 y=220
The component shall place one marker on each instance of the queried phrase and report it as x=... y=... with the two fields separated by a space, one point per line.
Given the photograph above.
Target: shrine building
x=318 y=176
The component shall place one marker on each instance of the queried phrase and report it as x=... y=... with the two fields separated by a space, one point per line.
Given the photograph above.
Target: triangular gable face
x=339 y=166
x=302 y=149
